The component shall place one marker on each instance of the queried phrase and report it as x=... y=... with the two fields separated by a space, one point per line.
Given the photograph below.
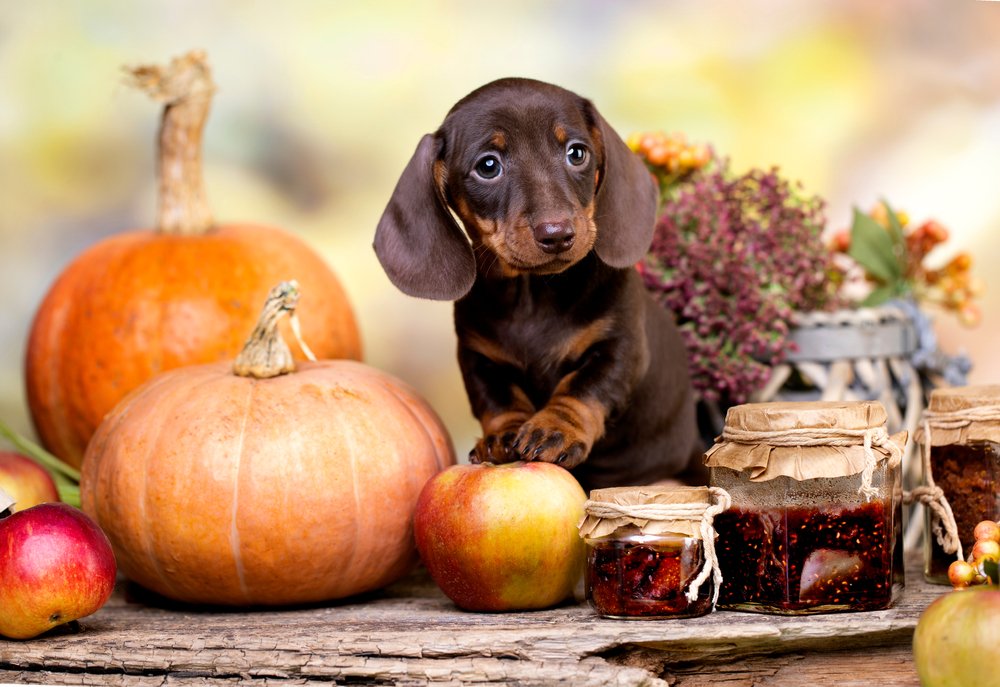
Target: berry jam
x=797 y=560
x=629 y=579
x=969 y=476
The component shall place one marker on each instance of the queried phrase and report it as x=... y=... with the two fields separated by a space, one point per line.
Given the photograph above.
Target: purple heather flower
x=733 y=257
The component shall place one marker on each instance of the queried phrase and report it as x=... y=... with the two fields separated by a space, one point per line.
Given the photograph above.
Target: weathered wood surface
x=410 y=634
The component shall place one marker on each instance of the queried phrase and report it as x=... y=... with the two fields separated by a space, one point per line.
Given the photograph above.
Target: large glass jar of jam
x=646 y=558
x=961 y=429
x=815 y=524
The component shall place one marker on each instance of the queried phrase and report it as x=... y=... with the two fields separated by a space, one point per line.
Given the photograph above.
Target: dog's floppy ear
x=625 y=199
x=421 y=248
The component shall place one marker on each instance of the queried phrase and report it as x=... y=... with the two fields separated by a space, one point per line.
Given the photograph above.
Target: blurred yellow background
x=321 y=103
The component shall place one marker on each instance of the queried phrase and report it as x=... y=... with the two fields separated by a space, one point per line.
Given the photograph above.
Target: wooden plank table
x=410 y=634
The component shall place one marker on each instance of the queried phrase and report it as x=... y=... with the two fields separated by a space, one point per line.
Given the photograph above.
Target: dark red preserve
x=813 y=559
x=645 y=576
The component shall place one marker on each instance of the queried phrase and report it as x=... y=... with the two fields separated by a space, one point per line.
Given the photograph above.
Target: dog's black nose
x=555 y=237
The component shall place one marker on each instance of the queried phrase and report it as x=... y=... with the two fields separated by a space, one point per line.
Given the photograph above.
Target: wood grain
x=410 y=634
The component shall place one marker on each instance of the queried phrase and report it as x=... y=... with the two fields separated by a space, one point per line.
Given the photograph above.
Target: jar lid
x=955 y=398
x=805 y=440
x=958 y=415
x=807 y=415
x=684 y=521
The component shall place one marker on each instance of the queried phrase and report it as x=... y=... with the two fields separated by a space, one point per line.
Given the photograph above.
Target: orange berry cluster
x=952 y=287
x=963 y=574
x=670 y=155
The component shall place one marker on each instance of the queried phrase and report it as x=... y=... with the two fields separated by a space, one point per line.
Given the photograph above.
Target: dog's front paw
x=494 y=448
x=545 y=438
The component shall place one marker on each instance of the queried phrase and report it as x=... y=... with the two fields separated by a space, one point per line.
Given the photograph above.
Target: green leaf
x=62 y=473
x=69 y=493
x=896 y=234
x=880 y=295
x=990 y=568
x=872 y=248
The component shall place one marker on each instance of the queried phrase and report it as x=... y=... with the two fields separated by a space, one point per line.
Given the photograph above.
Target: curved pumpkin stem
x=186 y=89
x=265 y=354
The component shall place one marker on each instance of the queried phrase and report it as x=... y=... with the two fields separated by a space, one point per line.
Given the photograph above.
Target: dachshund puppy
x=565 y=356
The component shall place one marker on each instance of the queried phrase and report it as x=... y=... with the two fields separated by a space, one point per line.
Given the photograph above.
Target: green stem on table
x=69 y=493
x=66 y=477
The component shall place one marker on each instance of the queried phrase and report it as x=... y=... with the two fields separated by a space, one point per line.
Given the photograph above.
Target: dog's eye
x=576 y=155
x=488 y=167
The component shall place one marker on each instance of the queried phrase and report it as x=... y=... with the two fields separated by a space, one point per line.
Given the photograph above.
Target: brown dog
x=565 y=356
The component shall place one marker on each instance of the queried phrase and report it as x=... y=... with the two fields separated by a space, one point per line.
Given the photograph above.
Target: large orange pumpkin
x=185 y=293
x=226 y=489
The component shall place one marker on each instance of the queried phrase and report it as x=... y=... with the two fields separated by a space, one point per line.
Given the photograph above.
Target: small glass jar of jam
x=646 y=556
x=816 y=519
x=959 y=440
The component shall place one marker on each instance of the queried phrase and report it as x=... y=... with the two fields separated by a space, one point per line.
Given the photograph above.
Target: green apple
x=957 y=640
x=502 y=537
x=56 y=565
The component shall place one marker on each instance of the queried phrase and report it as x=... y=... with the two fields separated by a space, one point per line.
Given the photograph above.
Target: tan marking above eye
x=560 y=134
x=498 y=140
x=595 y=134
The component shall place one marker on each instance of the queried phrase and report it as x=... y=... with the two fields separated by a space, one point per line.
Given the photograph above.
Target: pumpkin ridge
x=427 y=432
x=404 y=391
x=358 y=510
x=100 y=438
x=143 y=497
x=234 y=529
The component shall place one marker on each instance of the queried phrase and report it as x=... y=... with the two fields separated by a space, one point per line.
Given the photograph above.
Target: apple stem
x=63 y=474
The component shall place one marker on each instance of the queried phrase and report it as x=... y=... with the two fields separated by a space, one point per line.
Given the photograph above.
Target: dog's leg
x=498 y=401
x=564 y=431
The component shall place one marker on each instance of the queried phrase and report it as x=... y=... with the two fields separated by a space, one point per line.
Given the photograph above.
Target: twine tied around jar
x=833 y=436
x=942 y=519
x=678 y=511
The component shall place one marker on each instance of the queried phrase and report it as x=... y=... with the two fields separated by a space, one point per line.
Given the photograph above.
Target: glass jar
x=635 y=575
x=645 y=555
x=964 y=461
x=810 y=530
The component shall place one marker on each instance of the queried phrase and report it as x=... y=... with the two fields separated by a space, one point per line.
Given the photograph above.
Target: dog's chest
x=537 y=325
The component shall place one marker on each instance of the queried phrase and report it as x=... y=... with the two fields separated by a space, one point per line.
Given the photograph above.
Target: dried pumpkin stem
x=265 y=353
x=185 y=87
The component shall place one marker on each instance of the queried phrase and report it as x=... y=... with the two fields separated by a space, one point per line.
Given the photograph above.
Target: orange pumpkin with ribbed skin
x=144 y=302
x=216 y=488
x=185 y=293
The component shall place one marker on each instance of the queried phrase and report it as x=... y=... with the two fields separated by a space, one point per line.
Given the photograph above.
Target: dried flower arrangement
x=891 y=254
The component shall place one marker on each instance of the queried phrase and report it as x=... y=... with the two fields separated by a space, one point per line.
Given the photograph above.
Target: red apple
x=956 y=642
x=502 y=537
x=26 y=481
x=56 y=565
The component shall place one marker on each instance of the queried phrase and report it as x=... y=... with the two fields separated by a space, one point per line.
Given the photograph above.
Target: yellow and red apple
x=56 y=565
x=502 y=537
x=26 y=481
